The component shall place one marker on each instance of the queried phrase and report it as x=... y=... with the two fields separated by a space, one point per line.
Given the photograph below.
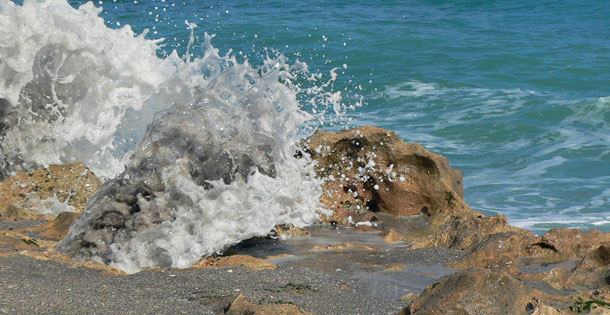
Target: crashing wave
x=215 y=167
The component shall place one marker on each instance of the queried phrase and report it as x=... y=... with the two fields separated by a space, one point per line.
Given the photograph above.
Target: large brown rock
x=501 y=250
x=596 y=259
x=26 y=190
x=475 y=291
x=505 y=248
x=570 y=242
x=467 y=231
x=372 y=169
x=242 y=306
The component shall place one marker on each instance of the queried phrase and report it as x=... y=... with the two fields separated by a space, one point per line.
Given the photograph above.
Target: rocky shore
x=401 y=239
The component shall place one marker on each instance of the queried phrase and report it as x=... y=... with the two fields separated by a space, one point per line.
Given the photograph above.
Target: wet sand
x=347 y=273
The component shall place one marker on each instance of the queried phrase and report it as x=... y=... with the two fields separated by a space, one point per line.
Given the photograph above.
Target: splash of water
x=72 y=89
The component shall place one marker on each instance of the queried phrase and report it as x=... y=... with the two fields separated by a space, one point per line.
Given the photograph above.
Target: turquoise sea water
x=515 y=94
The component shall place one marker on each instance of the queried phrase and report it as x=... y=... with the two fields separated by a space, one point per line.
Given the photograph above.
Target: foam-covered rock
x=372 y=169
x=196 y=185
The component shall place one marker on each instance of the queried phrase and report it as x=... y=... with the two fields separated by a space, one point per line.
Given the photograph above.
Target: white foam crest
x=259 y=107
x=602 y=199
x=72 y=89
x=539 y=168
x=418 y=89
x=223 y=216
x=68 y=84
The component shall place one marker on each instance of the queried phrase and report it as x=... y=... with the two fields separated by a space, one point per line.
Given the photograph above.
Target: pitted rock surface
x=72 y=184
x=372 y=169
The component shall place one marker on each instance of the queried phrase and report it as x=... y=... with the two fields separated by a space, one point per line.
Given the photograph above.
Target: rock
x=598 y=258
x=166 y=190
x=30 y=190
x=409 y=297
x=243 y=261
x=499 y=250
x=15 y=241
x=217 y=304
x=291 y=231
x=15 y=213
x=280 y=256
x=545 y=310
x=12 y=241
x=369 y=169
x=342 y=246
x=395 y=267
x=505 y=249
x=393 y=236
x=58 y=228
x=46 y=254
x=366 y=229
x=474 y=291
x=242 y=306
x=468 y=231
x=565 y=243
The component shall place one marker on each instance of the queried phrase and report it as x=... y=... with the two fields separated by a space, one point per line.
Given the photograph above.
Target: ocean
x=515 y=94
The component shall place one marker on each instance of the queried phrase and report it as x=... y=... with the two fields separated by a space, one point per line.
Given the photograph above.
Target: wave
x=72 y=89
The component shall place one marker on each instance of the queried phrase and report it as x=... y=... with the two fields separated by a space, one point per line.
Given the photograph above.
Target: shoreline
x=417 y=249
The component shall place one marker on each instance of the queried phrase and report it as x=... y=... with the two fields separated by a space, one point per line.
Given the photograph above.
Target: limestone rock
x=243 y=261
x=58 y=228
x=12 y=241
x=467 y=231
x=505 y=248
x=499 y=250
x=366 y=229
x=291 y=231
x=545 y=310
x=26 y=190
x=393 y=236
x=570 y=242
x=242 y=306
x=598 y=258
x=343 y=246
x=372 y=169
x=474 y=291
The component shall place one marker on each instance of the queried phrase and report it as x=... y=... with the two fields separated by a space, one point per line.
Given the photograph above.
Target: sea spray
x=72 y=89
x=207 y=175
x=216 y=166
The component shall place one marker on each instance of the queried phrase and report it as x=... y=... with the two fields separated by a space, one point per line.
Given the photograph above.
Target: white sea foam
x=72 y=89
x=51 y=205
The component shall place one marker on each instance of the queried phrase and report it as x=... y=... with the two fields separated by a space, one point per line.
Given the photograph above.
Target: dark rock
x=178 y=145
